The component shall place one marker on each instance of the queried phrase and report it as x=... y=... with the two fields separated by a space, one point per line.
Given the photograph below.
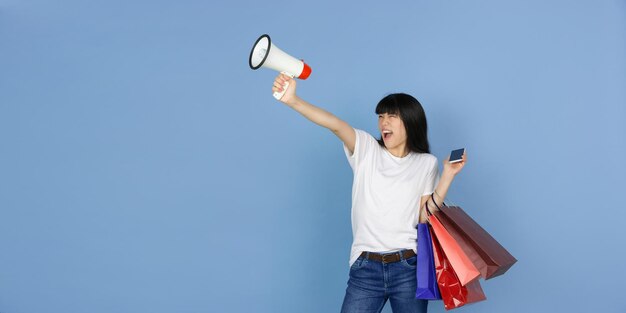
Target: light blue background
x=145 y=168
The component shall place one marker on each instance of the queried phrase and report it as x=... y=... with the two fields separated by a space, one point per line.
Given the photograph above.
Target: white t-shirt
x=386 y=194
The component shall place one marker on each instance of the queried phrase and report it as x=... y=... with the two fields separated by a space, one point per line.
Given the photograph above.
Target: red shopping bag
x=453 y=293
x=464 y=243
x=465 y=270
x=496 y=257
x=491 y=258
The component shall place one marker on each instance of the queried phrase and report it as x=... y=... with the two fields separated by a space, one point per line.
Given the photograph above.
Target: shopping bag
x=427 y=288
x=496 y=260
x=460 y=262
x=464 y=243
x=453 y=293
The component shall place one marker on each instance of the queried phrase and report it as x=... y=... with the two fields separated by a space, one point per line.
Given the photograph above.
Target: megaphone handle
x=279 y=95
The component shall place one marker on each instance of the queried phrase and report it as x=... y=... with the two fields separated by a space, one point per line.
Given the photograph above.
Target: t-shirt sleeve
x=363 y=145
x=432 y=178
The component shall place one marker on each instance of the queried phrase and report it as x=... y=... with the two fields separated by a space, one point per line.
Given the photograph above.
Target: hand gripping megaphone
x=265 y=54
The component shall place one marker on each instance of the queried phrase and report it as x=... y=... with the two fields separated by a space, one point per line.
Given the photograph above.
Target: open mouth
x=387 y=134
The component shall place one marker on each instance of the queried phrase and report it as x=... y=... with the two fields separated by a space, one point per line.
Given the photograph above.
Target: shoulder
x=363 y=133
x=364 y=146
x=365 y=136
x=428 y=159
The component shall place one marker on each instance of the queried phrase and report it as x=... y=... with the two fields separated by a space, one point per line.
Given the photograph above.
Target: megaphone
x=265 y=54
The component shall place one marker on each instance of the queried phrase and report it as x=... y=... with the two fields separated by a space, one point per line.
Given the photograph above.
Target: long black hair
x=412 y=114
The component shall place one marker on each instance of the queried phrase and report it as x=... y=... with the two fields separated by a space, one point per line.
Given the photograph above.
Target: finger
x=280 y=83
x=278 y=86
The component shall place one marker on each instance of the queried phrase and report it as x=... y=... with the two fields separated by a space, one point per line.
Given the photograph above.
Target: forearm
x=316 y=115
x=441 y=190
x=442 y=187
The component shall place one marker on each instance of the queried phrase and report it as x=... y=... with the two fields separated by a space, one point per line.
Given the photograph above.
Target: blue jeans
x=372 y=283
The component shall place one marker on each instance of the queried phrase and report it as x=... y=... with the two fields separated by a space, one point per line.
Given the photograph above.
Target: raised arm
x=319 y=116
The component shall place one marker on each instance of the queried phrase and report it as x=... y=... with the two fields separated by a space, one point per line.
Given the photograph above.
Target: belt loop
x=367 y=255
x=401 y=254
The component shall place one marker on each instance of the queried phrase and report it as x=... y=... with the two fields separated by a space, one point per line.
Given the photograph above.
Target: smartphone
x=457 y=155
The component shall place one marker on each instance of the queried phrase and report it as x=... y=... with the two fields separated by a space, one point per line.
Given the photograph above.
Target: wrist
x=447 y=174
x=293 y=102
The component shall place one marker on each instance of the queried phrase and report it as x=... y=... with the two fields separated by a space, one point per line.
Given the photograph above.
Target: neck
x=399 y=151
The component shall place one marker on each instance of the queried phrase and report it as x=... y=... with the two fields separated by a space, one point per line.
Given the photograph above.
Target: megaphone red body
x=265 y=54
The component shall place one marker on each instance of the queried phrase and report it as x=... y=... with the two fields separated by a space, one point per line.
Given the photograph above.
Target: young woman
x=394 y=176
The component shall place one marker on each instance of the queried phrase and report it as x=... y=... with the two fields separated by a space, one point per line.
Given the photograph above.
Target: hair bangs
x=388 y=105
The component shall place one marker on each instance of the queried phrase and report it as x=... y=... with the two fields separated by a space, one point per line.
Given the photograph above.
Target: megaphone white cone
x=265 y=54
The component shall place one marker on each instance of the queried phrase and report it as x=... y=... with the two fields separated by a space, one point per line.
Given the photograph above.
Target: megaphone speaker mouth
x=260 y=51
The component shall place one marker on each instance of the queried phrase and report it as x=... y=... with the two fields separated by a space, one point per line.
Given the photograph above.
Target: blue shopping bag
x=427 y=288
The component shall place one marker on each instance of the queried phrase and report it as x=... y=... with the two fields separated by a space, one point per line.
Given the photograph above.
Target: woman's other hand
x=454 y=168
